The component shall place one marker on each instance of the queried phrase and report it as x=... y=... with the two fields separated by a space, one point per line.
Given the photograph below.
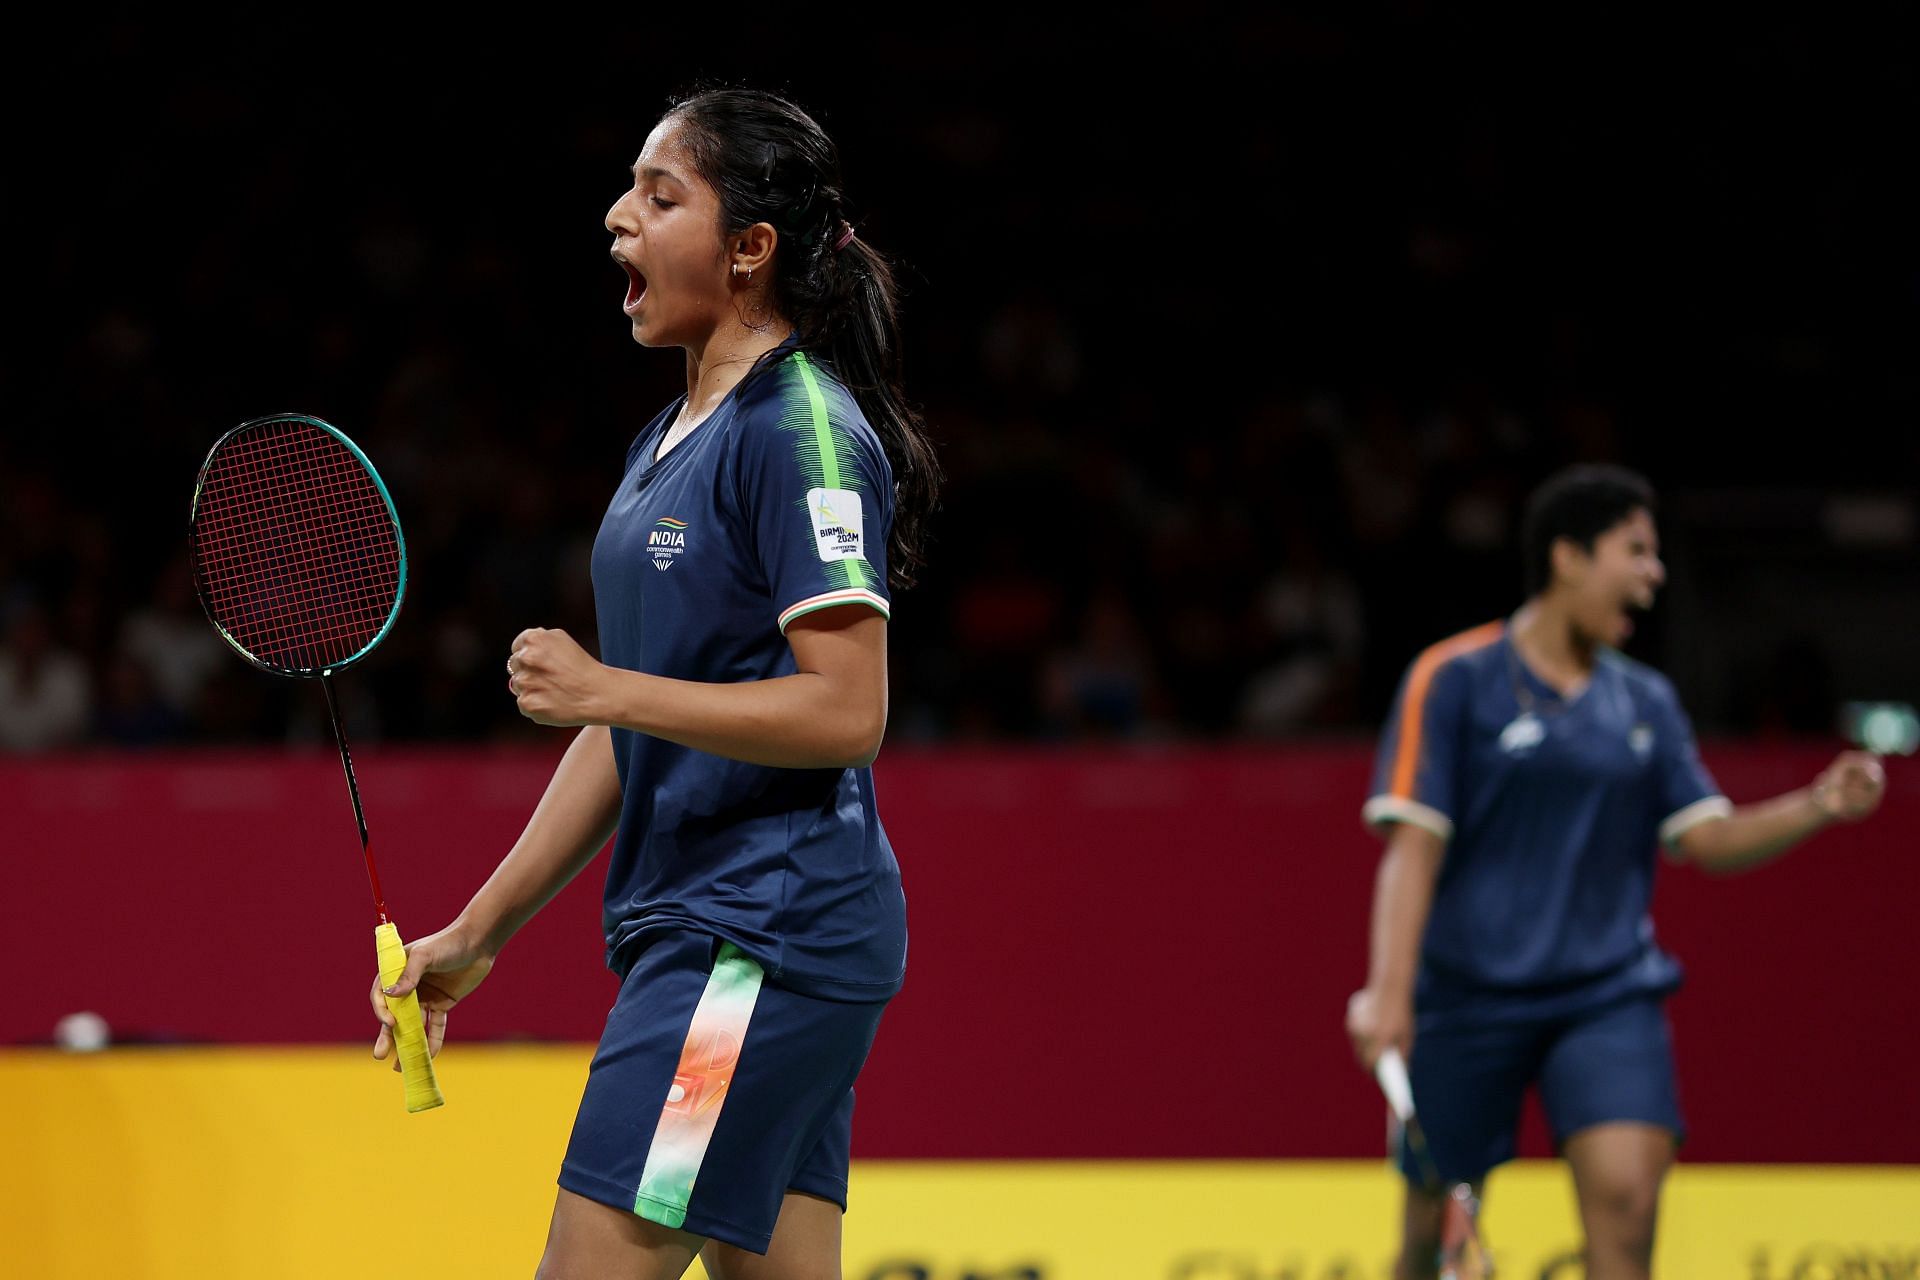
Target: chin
x=1600 y=633
x=657 y=330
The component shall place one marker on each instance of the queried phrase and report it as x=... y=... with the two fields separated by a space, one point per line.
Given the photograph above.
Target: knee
x=1628 y=1199
x=1626 y=1207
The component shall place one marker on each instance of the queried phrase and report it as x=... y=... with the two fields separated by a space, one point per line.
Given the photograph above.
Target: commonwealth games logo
x=666 y=541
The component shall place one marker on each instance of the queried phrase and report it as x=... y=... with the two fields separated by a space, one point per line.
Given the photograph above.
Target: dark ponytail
x=769 y=162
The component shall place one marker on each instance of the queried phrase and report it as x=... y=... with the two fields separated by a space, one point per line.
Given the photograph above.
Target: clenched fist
x=1850 y=788
x=554 y=680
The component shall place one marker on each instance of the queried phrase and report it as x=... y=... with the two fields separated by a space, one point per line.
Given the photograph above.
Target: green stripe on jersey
x=821 y=449
x=822 y=425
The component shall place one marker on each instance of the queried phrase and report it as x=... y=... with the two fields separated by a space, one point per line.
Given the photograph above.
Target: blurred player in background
x=1527 y=774
x=742 y=579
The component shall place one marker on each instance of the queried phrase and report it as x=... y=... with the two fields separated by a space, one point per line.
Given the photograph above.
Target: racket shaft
x=1390 y=1070
x=409 y=1033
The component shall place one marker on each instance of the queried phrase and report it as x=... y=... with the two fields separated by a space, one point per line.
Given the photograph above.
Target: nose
x=618 y=220
x=1657 y=570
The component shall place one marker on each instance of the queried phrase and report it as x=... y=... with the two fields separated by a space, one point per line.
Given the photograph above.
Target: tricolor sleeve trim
x=1382 y=810
x=854 y=595
x=1693 y=815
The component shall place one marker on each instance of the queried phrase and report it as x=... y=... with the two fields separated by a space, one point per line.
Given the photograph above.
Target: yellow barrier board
x=303 y=1163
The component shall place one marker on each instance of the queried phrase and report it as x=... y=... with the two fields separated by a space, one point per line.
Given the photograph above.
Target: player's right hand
x=443 y=967
x=1851 y=787
x=1377 y=1021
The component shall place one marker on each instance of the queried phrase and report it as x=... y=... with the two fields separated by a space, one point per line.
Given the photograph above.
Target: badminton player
x=1525 y=780
x=742 y=579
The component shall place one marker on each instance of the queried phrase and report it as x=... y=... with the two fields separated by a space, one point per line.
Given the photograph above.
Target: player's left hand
x=553 y=679
x=1850 y=788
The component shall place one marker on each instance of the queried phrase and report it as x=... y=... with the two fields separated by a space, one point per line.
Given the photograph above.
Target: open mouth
x=636 y=285
x=1633 y=604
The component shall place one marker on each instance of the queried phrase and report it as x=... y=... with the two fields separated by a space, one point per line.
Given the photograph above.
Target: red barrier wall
x=1114 y=954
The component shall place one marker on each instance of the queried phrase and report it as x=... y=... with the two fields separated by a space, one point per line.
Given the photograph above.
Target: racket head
x=298 y=557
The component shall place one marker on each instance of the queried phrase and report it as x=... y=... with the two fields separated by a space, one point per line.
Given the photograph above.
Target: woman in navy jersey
x=1526 y=778
x=742 y=579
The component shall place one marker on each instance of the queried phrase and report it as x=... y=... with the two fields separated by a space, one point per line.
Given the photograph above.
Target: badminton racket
x=1463 y=1255
x=301 y=567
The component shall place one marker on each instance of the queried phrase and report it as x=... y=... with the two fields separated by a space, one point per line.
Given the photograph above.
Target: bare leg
x=1617 y=1172
x=592 y=1241
x=1420 y=1240
x=806 y=1246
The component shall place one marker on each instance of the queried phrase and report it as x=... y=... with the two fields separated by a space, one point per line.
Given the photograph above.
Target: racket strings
x=302 y=594
x=273 y=571
x=291 y=562
x=299 y=556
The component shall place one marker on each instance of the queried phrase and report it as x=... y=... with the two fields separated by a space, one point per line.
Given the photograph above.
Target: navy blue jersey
x=778 y=504
x=1552 y=808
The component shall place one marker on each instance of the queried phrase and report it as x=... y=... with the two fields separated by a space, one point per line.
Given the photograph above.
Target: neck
x=1544 y=631
x=717 y=365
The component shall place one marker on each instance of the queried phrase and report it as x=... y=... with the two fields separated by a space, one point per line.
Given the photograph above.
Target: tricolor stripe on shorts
x=715 y=1038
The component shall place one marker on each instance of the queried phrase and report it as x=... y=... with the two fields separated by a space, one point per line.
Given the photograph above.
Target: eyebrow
x=648 y=171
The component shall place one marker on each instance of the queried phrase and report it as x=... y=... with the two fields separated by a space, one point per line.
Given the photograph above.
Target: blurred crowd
x=1238 y=405
x=1090 y=577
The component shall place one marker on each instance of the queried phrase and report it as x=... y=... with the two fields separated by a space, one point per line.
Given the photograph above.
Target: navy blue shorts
x=1610 y=1063
x=715 y=1092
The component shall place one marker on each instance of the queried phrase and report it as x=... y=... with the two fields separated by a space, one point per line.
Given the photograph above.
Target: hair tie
x=846 y=237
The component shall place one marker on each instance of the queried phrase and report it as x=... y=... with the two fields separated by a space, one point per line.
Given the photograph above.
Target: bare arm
x=1381 y=1014
x=573 y=820
x=1847 y=791
x=831 y=713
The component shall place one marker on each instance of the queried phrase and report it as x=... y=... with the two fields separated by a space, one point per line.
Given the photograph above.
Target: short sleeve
x=818 y=494
x=1416 y=769
x=1686 y=793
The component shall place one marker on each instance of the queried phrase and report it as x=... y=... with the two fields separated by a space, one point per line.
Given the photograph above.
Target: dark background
x=1243 y=338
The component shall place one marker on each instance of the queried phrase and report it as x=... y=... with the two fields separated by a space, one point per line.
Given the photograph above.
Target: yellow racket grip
x=409 y=1033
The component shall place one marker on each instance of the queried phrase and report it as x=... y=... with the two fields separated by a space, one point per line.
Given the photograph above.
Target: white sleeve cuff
x=1678 y=824
x=851 y=595
x=1382 y=810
